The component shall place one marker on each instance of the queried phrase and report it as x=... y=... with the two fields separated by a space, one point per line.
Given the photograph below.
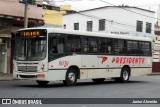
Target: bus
x=51 y=54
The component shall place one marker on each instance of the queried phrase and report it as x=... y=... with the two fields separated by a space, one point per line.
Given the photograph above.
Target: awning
x=5 y=36
x=5 y=33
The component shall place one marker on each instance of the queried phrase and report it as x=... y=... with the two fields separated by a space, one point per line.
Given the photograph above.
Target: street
x=138 y=87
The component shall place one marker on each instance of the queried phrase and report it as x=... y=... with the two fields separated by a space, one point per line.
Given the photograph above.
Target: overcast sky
x=88 y=4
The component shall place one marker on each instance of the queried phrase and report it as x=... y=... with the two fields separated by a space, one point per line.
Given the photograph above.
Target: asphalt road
x=138 y=87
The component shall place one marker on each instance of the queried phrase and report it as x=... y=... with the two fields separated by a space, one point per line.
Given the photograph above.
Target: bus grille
x=27 y=76
x=27 y=68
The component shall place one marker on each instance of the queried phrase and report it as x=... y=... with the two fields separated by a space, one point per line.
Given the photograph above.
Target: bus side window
x=52 y=44
x=101 y=45
x=73 y=43
x=93 y=47
x=85 y=44
x=60 y=45
x=109 y=45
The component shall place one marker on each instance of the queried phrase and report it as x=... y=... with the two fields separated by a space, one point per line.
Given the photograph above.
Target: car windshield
x=30 y=49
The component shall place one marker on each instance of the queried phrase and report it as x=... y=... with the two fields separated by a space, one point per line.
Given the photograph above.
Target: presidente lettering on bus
x=128 y=60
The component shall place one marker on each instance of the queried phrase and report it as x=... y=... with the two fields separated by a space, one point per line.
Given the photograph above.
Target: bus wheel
x=124 y=76
x=99 y=80
x=71 y=77
x=42 y=83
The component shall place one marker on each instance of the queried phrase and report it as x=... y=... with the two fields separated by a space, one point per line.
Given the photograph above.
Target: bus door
x=56 y=48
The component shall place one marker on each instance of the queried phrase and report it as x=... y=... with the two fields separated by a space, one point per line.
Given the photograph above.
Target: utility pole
x=26 y=15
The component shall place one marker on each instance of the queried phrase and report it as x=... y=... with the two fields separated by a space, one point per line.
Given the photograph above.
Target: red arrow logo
x=104 y=58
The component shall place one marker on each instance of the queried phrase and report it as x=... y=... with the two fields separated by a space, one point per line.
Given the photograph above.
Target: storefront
x=5 y=44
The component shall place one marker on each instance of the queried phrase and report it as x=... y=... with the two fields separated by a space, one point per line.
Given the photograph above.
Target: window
x=145 y=48
x=132 y=47
x=105 y=46
x=139 y=26
x=93 y=46
x=120 y=47
x=89 y=45
x=89 y=25
x=101 y=24
x=85 y=44
x=148 y=27
x=76 y=26
x=56 y=46
x=102 y=45
x=73 y=43
x=64 y=26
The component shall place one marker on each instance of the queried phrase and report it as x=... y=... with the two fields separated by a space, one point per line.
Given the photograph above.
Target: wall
x=5 y=33
x=158 y=15
x=16 y=9
x=118 y=20
x=54 y=17
x=156 y=52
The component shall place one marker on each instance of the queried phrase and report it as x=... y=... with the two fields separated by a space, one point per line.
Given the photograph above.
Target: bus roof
x=94 y=34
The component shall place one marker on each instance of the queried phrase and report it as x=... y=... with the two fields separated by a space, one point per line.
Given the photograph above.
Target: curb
x=152 y=74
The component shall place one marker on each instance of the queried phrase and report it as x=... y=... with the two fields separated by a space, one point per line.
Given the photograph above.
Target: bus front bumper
x=30 y=75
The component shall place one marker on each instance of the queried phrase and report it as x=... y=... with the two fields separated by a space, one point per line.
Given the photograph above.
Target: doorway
x=2 y=58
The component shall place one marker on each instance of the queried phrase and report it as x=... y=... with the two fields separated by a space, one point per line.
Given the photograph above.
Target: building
x=114 y=20
x=158 y=16
x=52 y=15
x=156 y=51
x=12 y=19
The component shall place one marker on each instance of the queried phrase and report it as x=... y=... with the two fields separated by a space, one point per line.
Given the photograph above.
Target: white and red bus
x=49 y=54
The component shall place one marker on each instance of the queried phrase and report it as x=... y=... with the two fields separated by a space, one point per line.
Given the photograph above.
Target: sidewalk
x=5 y=77
x=154 y=73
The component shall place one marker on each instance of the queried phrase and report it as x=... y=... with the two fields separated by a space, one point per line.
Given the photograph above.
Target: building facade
x=12 y=19
x=52 y=15
x=156 y=51
x=114 y=20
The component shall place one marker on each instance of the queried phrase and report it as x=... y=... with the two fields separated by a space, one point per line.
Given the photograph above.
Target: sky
x=88 y=4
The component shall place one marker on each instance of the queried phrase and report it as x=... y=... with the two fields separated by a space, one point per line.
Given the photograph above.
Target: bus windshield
x=30 y=49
